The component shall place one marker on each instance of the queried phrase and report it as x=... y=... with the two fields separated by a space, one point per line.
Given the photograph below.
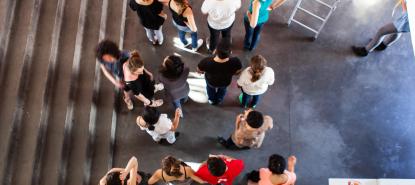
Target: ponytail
x=258 y=64
x=135 y=61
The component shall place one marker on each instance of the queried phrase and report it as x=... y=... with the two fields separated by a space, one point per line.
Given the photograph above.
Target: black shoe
x=381 y=47
x=176 y=134
x=360 y=51
x=222 y=141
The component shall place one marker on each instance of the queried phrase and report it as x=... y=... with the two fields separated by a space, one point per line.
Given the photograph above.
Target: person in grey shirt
x=173 y=74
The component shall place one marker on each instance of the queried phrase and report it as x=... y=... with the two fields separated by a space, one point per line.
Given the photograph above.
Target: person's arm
x=276 y=4
x=270 y=122
x=111 y=78
x=155 y=177
x=253 y=18
x=199 y=71
x=192 y=175
x=188 y=13
x=205 y=7
x=176 y=120
x=131 y=168
x=149 y=73
x=238 y=121
x=271 y=77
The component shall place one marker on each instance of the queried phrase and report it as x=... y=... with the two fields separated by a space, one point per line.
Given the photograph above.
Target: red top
x=235 y=167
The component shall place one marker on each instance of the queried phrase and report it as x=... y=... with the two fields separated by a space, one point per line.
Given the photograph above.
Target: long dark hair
x=171 y=166
x=258 y=64
x=173 y=67
x=151 y=116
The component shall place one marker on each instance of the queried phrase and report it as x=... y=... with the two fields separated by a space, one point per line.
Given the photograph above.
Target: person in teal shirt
x=256 y=16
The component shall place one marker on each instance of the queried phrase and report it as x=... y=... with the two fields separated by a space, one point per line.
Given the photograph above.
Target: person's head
x=182 y=3
x=107 y=51
x=171 y=166
x=135 y=63
x=151 y=116
x=276 y=164
x=258 y=64
x=113 y=178
x=254 y=118
x=216 y=166
x=172 y=67
x=223 y=49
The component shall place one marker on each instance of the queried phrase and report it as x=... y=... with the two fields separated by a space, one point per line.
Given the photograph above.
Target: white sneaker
x=199 y=43
x=158 y=87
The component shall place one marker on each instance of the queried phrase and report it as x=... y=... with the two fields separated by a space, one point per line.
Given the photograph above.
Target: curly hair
x=107 y=47
x=173 y=67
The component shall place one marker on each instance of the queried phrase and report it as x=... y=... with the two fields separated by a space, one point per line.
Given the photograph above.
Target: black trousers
x=231 y=145
x=215 y=34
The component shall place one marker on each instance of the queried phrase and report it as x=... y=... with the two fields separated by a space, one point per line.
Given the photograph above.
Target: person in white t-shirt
x=221 y=15
x=158 y=125
x=254 y=81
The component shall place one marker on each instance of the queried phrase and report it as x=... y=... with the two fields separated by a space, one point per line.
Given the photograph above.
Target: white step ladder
x=323 y=19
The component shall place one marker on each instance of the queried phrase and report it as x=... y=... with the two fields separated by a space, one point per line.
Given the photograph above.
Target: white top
x=221 y=13
x=258 y=87
x=162 y=126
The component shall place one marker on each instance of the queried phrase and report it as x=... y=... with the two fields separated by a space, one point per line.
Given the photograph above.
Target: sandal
x=158 y=87
x=130 y=105
x=156 y=103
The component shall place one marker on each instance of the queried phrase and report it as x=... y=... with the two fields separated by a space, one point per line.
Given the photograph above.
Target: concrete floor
x=342 y=116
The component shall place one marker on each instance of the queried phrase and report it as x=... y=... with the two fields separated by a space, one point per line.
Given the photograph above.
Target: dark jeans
x=182 y=34
x=249 y=100
x=178 y=103
x=214 y=36
x=251 y=35
x=215 y=94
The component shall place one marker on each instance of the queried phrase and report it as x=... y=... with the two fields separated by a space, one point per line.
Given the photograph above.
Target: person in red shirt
x=220 y=169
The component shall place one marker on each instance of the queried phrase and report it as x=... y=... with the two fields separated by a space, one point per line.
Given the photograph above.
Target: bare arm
x=403 y=5
x=253 y=18
x=277 y=4
x=143 y=99
x=192 y=175
x=103 y=180
x=188 y=13
x=176 y=120
x=155 y=177
x=131 y=168
x=149 y=73
x=238 y=121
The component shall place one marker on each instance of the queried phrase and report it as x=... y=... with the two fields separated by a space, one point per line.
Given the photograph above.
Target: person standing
x=158 y=125
x=387 y=34
x=254 y=81
x=140 y=81
x=151 y=15
x=220 y=169
x=275 y=174
x=255 y=18
x=111 y=60
x=221 y=16
x=174 y=172
x=173 y=75
x=219 y=70
x=184 y=21
x=250 y=128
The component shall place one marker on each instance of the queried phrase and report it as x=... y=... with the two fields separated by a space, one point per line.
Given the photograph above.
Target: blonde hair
x=135 y=62
x=258 y=64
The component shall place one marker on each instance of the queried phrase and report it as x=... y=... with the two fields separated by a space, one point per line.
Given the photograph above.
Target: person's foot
x=156 y=103
x=176 y=134
x=158 y=87
x=199 y=44
x=222 y=141
x=130 y=105
x=381 y=47
x=360 y=51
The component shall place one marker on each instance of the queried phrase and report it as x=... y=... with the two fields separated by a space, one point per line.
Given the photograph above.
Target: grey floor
x=341 y=115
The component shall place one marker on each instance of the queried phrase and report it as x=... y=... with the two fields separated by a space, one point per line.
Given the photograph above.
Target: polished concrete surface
x=341 y=115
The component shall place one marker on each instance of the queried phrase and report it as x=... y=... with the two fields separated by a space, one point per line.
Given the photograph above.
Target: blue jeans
x=251 y=35
x=215 y=94
x=178 y=103
x=249 y=100
x=182 y=34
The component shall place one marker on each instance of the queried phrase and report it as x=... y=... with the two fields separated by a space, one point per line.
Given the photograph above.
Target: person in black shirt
x=151 y=17
x=219 y=71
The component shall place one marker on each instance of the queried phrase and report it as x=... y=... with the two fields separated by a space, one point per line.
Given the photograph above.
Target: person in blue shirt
x=255 y=18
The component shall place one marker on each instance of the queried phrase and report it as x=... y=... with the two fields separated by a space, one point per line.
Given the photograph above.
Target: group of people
x=216 y=170
x=220 y=19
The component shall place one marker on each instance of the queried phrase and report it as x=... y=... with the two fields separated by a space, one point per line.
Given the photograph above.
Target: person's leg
x=226 y=33
x=248 y=35
x=149 y=34
x=245 y=99
x=159 y=35
x=211 y=92
x=255 y=36
x=227 y=143
x=170 y=137
x=194 y=39
x=182 y=36
x=128 y=101
x=177 y=103
x=255 y=100
x=380 y=35
x=220 y=94
x=214 y=36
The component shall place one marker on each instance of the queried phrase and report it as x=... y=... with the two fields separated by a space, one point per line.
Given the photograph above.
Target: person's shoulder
x=268 y=120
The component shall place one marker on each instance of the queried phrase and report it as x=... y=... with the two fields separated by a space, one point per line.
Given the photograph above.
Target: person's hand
x=270 y=8
x=178 y=113
x=147 y=102
x=120 y=84
x=163 y=15
x=123 y=175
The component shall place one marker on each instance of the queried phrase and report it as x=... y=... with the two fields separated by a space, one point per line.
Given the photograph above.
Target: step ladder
x=323 y=19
